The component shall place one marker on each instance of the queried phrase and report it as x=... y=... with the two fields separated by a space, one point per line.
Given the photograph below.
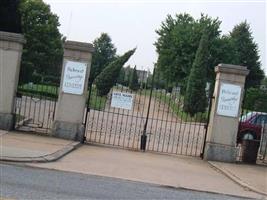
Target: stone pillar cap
x=79 y=46
x=232 y=69
x=12 y=37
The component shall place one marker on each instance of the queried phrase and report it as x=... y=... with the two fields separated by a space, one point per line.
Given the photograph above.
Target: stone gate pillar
x=11 y=45
x=69 y=114
x=225 y=113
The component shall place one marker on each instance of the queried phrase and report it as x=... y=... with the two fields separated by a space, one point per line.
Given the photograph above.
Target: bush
x=108 y=77
x=255 y=100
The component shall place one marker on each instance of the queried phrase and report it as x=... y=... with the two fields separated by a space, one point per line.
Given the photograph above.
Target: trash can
x=250 y=151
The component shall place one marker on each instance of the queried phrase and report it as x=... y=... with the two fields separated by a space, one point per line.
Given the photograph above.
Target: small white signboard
x=74 y=77
x=229 y=100
x=122 y=100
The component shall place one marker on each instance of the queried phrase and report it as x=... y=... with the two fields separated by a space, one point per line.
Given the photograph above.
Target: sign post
x=73 y=93
x=122 y=100
x=74 y=77
x=225 y=112
x=229 y=100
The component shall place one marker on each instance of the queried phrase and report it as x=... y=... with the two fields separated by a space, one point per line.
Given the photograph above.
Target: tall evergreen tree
x=44 y=50
x=247 y=53
x=195 y=98
x=105 y=53
x=108 y=77
x=134 y=85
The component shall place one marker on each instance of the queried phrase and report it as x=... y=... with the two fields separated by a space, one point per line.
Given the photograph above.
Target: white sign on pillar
x=229 y=100
x=74 y=77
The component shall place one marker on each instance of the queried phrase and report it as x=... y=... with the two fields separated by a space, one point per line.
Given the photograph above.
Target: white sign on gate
x=229 y=100
x=74 y=77
x=122 y=100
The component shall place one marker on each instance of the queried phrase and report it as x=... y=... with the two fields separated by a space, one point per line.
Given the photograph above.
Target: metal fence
x=156 y=120
x=35 y=107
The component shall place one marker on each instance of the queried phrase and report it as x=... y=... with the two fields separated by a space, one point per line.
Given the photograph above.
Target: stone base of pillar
x=7 y=121
x=219 y=152
x=67 y=130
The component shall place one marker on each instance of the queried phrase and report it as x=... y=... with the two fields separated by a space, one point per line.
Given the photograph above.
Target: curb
x=46 y=158
x=236 y=179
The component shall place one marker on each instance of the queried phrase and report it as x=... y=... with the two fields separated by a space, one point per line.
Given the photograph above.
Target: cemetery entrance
x=149 y=117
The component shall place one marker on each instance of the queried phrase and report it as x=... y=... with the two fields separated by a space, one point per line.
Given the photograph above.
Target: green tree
x=43 y=51
x=9 y=16
x=255 y=100
x=108 y=77
x=134 y=85
x=105 y=53
x=264 y=81
x=177 y=44
x=247 y=53
x=195 y=98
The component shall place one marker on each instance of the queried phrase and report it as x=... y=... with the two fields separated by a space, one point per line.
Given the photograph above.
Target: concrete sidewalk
x=175 y=171
x=21 y=147
x=168 y=170
x=252 y=177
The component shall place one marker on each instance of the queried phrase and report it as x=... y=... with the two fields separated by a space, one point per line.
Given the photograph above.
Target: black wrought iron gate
x=35 y=106
x=155 y=121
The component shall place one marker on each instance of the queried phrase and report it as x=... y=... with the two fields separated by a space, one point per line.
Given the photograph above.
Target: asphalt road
x=18 y=182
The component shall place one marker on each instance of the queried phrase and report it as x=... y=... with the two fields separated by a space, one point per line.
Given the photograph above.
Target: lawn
x=38 y=91
x=97 y=102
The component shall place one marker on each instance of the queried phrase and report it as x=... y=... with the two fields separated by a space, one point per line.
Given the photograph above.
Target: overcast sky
x=132 y=23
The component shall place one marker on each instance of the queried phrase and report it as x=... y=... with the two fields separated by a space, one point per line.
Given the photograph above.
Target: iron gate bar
x=206 y=127
x=117 y=124
x=107 y=124
x=98 y=113
x=144 y=136
x=88 y=104
x=198 y=132
x=127 y=90
x=168 y=113
x=180 y=124
x=157 y=121
x=143 y=110
x=176 y=122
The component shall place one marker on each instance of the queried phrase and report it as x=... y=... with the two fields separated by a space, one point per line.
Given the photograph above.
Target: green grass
x=51 y=92
x=97 y=102
x=38 y=91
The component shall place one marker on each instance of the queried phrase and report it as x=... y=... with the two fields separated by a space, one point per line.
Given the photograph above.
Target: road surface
x=19 y=182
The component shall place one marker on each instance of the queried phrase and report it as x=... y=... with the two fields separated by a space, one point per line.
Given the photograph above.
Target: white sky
x=132 y=23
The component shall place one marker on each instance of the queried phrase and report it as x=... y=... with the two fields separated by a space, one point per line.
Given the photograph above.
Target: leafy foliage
x=108 y=77
x=134 y=85
x=178 y=41
x=177 y=44
x=105 y=52
x=9 y=16
x=195 y=98
x=43 y=51
x=247 y=53
x=255 y=100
